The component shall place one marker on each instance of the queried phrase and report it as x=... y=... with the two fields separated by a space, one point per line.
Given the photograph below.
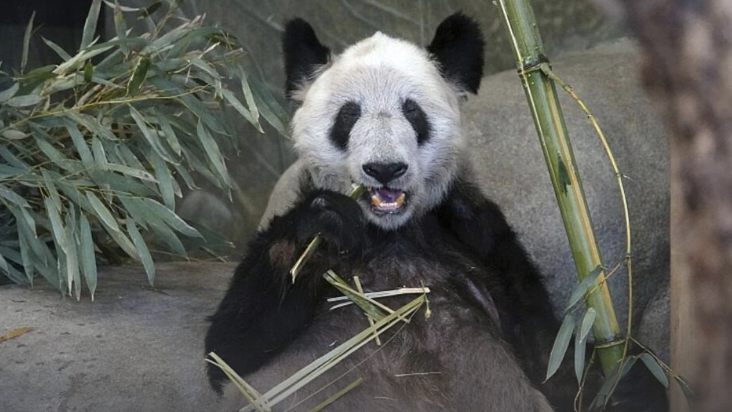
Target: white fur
x=380 y=73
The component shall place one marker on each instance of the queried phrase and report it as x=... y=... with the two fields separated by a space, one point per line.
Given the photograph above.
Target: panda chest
x=403 y=269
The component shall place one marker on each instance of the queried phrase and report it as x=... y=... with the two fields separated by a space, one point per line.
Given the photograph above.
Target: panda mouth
x=386 y=201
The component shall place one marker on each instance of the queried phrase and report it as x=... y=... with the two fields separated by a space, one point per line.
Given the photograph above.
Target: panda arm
x=263 y=311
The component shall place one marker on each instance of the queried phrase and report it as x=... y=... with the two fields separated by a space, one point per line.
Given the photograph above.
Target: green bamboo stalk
x=541 y=94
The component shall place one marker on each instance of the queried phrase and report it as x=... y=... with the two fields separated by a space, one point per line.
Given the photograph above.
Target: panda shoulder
x=286 y=192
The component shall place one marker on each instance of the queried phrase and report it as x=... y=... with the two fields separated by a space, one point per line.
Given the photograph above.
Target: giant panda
x=385 y=114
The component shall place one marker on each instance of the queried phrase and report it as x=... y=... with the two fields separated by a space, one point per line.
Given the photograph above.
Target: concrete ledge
x=133 y=349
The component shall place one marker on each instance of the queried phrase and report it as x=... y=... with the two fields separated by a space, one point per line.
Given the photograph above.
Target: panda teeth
x=379 y=204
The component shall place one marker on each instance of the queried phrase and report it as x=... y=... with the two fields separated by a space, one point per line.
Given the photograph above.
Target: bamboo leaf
x=581 y=342
x=130 y=157
x=587 y=283
x=137 y=210
x=249 y=97
x=187 y=178
x=580 y=350
x=130 y=171
x=61 y=267
x=100 y=158
x=40 y=74
x=198 y=62
x=80 y=144
x=125 y=9
x=606 y=390
x=138 y=76
x=24 y=254
x=561 y=343
x=58 y=49
x=24 y=101
x=191 y=102
x=56 y=156
x=229 y=96
x=52 y=192
x=653 y=366
x=26 y=43
x=165 y=180
x=120 y=27
x=211 y=148
x=11 y=196
x=12 y=134
x=28 y=220
x=266 y=104
x=88 y=258
x=168 y=132
x=93 y=125
x=149 y=10
x=150 y=135
x=587 y=320
x=11 y=158
x=142 y=250
x=75 y=62
x=170 y=218
x=72 y=256
x=4 y=263
x=90 y=25
x=9 y=92
x=88 y=71
x=168 y=236
x=171 y=36
x=104 y=214
x=57 y=228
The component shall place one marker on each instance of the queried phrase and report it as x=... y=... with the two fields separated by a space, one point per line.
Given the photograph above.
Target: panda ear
x=458 y=48
x=304 y=54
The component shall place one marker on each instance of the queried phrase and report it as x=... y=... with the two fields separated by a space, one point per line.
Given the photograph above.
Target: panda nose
x=385 y=172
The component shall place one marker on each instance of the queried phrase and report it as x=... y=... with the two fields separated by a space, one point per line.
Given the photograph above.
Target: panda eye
x=346 y=118
x=410 y=107
x=418 y=119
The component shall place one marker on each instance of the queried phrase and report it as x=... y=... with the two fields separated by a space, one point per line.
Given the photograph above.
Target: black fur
x=346 y=118
x=303 y=54
x=458 y=48
x=418 y=119
x=262 y=313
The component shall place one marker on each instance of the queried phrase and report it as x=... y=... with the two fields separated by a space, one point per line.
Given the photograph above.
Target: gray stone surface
x=133 y=349
x=511 y=168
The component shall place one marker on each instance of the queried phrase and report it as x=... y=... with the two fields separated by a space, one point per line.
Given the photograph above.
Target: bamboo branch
x=547 y=113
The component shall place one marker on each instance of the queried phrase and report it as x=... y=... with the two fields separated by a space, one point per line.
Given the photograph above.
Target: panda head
x=383 y=114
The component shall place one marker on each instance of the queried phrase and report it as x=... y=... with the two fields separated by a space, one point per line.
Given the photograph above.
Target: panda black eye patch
x=346 y=118
x=418 y=119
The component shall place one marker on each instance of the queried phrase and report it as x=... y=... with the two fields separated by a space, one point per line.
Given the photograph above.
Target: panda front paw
x=337 y=218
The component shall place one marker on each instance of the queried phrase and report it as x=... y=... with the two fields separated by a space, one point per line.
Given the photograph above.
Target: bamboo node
x=610 y=344
x=532 y=64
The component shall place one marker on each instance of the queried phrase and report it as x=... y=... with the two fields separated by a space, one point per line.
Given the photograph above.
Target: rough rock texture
x=509 y=163
x=510 y=168
x=133 y=349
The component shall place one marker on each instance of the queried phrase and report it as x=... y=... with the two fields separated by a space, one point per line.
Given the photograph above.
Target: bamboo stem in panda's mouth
x=317 y=240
